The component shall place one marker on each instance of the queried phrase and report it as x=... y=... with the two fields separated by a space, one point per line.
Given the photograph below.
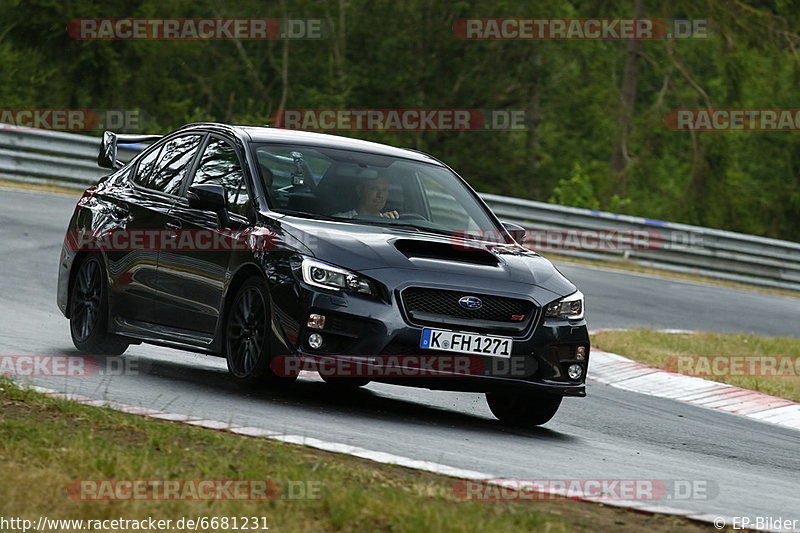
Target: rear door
x=145 y=202
x=193 y=276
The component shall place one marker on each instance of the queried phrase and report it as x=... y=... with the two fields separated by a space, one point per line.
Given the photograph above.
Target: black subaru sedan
x=284 y=251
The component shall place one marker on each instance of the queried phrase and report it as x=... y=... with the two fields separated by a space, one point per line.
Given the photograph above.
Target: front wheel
x=520 y=410
x=88 y=316
x=247 y=336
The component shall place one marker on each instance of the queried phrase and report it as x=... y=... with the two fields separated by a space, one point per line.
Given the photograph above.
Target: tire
x=88 y=317
x=522 y=411
x=248 y=335
x=345 y=383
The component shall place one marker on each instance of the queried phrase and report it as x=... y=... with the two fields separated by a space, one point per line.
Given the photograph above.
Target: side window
x=220 y=165
x=145 y=168
x=176 y=156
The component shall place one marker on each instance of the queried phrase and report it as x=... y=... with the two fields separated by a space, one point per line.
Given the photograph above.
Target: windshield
x=364 y=188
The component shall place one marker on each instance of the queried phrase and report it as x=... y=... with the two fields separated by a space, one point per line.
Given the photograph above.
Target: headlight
x=570 y=307
x=327 y=276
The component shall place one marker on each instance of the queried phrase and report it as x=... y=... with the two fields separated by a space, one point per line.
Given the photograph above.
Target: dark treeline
x=595 y=135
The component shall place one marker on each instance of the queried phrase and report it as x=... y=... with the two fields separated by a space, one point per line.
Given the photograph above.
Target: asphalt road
x=617 y=299
x=749 y=467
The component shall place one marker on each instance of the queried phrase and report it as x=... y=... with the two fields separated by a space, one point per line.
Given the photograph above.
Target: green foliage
x=392 y=54
x=577 y=190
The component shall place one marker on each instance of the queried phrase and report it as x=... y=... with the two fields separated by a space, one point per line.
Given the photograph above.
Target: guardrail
x=668 y=245
x=42 y=156
x=68 y=159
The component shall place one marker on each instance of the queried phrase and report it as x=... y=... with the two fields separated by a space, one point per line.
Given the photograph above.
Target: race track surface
x=751 y=468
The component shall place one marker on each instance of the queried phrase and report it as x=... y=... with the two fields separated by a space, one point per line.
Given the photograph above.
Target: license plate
x=456 y=341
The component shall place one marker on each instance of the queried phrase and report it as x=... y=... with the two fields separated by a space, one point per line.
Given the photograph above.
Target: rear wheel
x=88 y=317
x=247 y=335
x=520 y=410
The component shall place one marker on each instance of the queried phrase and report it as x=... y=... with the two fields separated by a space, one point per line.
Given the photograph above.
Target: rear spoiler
x=107 y=158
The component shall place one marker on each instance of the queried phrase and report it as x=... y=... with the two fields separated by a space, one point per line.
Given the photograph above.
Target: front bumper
x=371 y=338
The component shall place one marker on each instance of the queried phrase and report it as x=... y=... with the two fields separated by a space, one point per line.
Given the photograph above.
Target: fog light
x=316 y=321
x=575 y=372
x=315 y=340
x=580 y=352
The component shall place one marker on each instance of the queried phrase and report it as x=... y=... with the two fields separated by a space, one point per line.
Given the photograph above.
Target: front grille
x=428 y=306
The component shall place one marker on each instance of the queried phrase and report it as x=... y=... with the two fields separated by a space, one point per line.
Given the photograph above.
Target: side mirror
x=516 y=231
x=107 y=157
x=210 y=197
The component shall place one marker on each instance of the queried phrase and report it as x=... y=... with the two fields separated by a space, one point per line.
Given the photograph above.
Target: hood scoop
x=442 y=251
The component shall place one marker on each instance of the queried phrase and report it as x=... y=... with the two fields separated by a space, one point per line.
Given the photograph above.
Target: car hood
x=368 y=249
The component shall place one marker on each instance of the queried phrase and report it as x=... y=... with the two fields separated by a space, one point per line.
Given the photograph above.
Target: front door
x=193 y=276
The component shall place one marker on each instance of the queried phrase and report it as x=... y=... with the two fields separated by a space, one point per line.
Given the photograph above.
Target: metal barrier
x=668 y=245
x=41 y=156
x=68 y=159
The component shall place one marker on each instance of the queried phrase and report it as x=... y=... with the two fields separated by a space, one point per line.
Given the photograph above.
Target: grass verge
x=677 y=351
x=48 y=443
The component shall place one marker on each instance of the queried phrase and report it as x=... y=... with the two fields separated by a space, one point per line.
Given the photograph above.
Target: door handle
x=174 y=224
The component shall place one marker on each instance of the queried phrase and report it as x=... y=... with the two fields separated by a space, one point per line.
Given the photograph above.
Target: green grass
x=47 y=443
x=660 y=350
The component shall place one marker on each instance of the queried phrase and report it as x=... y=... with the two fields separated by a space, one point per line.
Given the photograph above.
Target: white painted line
x=96 y=403
x=381 y=457
x=253 y=432
x=132 y=409
x=71 y=397
x=172 y=417
x=211 y=424
x=786 y=413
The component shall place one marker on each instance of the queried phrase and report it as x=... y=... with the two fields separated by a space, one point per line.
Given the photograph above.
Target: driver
x=372 y=196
